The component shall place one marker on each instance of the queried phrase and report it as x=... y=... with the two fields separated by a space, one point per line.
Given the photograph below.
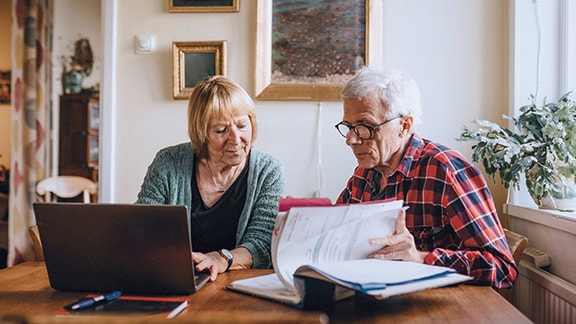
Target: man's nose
x=352 y=138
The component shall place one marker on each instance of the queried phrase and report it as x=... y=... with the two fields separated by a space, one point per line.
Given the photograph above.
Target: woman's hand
x=398 y=246
x=212 y=261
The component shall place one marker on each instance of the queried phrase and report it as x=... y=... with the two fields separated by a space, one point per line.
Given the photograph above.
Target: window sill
x=562 y=221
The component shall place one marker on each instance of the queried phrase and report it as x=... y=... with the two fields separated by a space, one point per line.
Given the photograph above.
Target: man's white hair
x=398 y=94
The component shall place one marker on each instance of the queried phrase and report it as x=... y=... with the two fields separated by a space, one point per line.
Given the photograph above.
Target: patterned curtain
x=30 y=161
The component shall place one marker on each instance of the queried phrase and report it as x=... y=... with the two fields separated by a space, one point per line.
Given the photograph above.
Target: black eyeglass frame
x=355 y=128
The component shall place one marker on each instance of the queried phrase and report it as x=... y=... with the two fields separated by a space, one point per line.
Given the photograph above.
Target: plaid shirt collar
x=411 y=155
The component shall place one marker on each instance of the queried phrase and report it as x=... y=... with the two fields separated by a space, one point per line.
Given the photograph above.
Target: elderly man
x=451 y=219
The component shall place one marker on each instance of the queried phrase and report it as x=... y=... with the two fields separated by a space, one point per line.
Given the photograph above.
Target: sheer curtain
x=31 y=39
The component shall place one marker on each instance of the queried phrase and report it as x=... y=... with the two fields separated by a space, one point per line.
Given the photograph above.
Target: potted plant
x=77 y=66
x=542 y=147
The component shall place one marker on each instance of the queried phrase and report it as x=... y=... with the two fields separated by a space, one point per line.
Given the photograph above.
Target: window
x=543 y=57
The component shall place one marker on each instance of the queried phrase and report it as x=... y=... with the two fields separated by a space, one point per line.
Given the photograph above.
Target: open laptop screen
x=143 y=249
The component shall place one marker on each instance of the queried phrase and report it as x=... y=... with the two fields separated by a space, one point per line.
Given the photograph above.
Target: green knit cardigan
x=168 y=181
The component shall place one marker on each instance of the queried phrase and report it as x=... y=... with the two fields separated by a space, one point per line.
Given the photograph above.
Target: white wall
x=73 y=20
x=456 y=50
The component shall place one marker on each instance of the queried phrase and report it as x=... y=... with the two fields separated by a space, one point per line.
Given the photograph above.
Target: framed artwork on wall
x=203 y=5
x=192 y=61
x=307 y=50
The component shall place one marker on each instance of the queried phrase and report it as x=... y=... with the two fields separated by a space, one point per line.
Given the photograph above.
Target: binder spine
x=318 y=293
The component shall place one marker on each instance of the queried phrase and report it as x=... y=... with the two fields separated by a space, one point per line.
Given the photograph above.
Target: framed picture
x=5 y=87
x=192 y=61
x=203 y=5
x=307 y=50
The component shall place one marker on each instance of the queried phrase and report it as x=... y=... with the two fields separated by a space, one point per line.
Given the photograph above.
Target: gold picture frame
x=192 y=61
x=203 y=6
x=268 y=89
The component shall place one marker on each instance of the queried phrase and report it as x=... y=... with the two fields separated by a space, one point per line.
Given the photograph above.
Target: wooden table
x=26 y=295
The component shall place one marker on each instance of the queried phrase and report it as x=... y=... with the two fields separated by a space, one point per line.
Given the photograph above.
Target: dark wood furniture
x=25 y=294
x=79 y=135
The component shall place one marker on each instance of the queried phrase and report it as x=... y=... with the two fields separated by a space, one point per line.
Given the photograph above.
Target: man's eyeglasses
x=364 y=132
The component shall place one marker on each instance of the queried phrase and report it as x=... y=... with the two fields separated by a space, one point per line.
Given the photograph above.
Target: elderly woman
x=451 y=219
x=231 y=189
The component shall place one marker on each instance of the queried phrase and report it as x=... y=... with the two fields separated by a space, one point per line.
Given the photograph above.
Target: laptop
x=137 y=249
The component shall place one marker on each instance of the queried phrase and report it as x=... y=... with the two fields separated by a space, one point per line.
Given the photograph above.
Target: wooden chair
x=63 y=187
x=516 y=243
x=36 y=243
x=66 y=187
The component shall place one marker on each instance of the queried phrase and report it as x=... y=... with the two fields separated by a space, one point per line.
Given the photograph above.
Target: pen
x=87 y=302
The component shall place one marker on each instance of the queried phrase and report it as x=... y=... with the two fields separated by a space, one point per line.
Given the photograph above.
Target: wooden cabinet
x=79 y=135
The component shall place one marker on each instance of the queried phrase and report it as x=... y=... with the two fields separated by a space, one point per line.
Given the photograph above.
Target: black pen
x=87 y=302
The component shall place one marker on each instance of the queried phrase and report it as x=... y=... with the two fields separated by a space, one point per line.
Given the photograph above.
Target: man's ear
x=407 y=123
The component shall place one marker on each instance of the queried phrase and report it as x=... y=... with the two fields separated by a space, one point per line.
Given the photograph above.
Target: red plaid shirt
x=451 y=212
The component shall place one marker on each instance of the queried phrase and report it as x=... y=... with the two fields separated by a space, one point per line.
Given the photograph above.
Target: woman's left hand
x=211 y=261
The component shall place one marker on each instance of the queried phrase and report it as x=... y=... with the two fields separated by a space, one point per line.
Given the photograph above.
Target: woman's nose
x=234 y=134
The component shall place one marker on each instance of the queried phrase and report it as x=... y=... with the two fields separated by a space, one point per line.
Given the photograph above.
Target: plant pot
x=72 y=81
x=557 y=191
x=562 y=204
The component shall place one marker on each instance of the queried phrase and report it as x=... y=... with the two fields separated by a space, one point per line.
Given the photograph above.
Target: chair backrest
x=66 y=186
x=517 y=243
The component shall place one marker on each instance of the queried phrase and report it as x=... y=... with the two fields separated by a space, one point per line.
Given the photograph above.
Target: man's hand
x=398 y=246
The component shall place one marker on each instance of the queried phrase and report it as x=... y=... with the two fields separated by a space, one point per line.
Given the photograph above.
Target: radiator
x=543 y=297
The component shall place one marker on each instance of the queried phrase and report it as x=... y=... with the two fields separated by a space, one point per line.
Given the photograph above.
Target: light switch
x=145 y=44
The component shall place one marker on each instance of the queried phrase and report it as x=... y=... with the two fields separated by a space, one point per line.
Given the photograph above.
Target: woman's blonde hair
x=214 y=98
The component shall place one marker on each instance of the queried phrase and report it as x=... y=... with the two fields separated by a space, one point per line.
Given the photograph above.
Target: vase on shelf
x=72 y=81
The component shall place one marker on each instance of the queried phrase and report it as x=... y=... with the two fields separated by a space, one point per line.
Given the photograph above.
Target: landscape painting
x=317 y=41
